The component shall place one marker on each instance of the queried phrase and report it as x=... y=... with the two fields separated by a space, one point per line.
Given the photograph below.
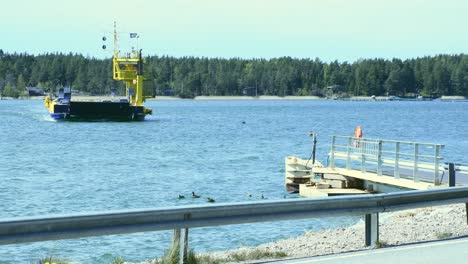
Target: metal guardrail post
x=180 y=242
x=372 y=229
x=348 y=152
x=436 y=166
x=466 y=212
x=396 y=171
x=415 y=159
x=379 y=158
x=332 y=154
x=183 y=253
x=176 y=241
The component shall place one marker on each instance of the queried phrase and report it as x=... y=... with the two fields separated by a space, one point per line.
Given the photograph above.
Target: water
x=221 y=149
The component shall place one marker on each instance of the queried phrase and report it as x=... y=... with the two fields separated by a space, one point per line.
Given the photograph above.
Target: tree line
x=192 y=76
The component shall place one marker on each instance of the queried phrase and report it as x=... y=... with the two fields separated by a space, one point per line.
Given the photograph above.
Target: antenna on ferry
x=115 y=39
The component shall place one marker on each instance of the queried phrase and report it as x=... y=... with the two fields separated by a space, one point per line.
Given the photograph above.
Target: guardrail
x=395 y=155
x=34 y=229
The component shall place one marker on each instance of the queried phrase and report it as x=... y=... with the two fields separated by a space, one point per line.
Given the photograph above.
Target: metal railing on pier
x=388 y=155
x=33 y=229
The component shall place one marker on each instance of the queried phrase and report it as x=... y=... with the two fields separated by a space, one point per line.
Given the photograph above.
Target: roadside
x=397 y=228
x=451 y=251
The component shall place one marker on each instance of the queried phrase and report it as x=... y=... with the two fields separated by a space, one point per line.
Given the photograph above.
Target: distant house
x=34 y=91
x=168 y=92
x=249 y=91
x=335 y=89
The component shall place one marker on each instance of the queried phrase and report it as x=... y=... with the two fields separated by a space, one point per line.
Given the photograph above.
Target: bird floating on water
x=210 y=200
x=181 y=196
x=194 y=195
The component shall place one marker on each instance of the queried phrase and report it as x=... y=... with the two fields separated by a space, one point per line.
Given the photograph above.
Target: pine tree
x=10 y=91
x=20 y=85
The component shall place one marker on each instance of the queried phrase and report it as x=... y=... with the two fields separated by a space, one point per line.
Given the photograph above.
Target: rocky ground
x=403 y=227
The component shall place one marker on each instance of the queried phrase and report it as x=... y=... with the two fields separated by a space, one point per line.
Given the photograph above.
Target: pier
x=365 y=165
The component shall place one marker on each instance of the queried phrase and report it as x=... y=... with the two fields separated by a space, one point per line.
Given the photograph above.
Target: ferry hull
x=119 y=111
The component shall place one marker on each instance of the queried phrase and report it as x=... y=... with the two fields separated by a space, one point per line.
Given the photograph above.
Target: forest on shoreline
x=188 y=77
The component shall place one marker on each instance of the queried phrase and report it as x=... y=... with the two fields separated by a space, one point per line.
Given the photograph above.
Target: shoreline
x=252 y=98
x=395 y=228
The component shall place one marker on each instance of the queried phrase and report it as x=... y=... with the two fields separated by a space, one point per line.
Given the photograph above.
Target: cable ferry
x=128 y=69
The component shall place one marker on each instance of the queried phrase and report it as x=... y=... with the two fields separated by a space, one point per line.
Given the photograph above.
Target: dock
x=364 y=165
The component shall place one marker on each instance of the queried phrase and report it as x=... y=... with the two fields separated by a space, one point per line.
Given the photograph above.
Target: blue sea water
x=221 y=149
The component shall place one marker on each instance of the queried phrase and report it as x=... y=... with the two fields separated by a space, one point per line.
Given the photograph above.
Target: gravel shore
x=402 y=227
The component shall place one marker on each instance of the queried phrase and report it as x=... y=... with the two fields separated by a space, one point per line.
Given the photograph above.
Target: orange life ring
x=357 y=135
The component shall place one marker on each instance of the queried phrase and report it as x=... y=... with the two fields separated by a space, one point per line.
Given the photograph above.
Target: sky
x=325 y=29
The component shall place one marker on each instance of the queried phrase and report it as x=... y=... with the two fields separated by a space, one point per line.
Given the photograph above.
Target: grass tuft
x=52 y=260
x=172 y=257
x=381 y=244
x=117 y=260
x=209 y=260
x=444 y=235
x=257 y=254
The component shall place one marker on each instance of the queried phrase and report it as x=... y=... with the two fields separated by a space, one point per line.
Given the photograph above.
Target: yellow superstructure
x=129 y=69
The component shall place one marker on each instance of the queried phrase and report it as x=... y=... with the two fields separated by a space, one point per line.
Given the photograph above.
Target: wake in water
x=44 y=117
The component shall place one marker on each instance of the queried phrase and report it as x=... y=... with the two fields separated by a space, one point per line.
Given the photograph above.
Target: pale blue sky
x=328 y=29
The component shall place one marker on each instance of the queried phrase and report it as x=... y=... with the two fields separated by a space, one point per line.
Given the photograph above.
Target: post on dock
x=415 y=159
x=372 y=229
x=348 y=153
x=451 y=171
x=363 y=162
x=436 y=165
x=314 y=145
x=452 y=182
x=332 y=154
x=379 y=158
x=396 y=172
